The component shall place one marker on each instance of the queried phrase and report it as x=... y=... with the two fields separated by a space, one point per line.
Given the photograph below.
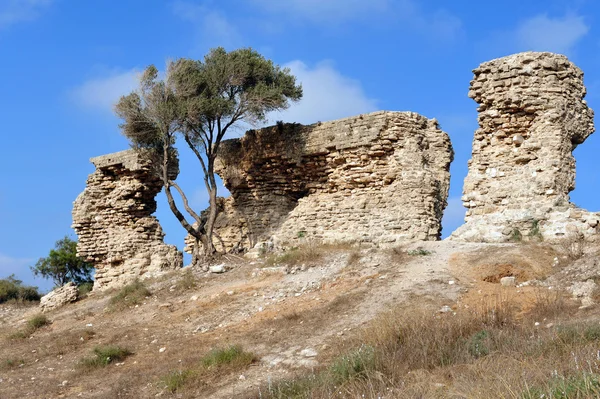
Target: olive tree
x=198 y=102
x=62 y=264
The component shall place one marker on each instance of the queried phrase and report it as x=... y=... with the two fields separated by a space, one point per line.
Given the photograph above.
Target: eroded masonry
x=532 y=115
x=378 y=178
x=113 y=220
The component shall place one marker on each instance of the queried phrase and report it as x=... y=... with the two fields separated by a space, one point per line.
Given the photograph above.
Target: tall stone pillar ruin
x=532 y=115
x=113 y=220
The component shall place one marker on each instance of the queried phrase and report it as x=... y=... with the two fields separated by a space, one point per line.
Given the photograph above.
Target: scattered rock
x=217 y=269
x=308 y=352
x=509 y=281
x=61 y=296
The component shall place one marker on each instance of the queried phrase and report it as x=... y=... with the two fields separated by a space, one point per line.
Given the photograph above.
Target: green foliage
x=515 y=235
x=175 y=380
x=130 y=295
x=12 y=289
x=38 y=321
x=353 y=365
x=478 y=344
x=33 y=324
x=232 y=355
x=85 y=288
x=535 y=231
x=584 y=385
x=11 y=363
x=105 y=355
x=199 y=101
x=62 y=264
x=419 y=252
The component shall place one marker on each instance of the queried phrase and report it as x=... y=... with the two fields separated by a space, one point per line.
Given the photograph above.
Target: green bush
x=38 y=321
x=232 y=355
x=105 y=355
x=130 y=295
x=175 y=380
x=12 y=289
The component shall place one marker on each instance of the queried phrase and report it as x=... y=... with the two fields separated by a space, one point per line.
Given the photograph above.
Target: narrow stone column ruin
x=380 y=178
x=532 y=115
x=113 y=220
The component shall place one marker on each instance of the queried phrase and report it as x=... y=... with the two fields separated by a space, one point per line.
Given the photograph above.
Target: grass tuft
x=233 y=356
x=105 y=355
x=130 y=295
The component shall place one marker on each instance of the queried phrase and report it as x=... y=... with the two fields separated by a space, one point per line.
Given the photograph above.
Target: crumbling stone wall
x=113 y=220
x=380 y=178
x=532 y=115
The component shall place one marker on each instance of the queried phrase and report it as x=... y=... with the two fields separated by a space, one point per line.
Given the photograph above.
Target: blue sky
x=65 y=62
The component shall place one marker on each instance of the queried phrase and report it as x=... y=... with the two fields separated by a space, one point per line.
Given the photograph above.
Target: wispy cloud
x=438 y=23
x=213 y=28
x=102 y=93
x=15 y=11
x=543 y=33
x=328 y=95
x=539 y=33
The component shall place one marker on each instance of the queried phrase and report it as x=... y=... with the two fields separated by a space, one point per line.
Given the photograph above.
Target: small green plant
x=38 y=321
x=35 y=323
x=130 y=295
x=301 y=234
x=175 y=380
x=585 y=385
x=535 y=232
x=233 y=355
x=515 y=235
x=353 y=365
x=105 y=355
x=187 y=281
x=419 y=252
x=11 y=363
x=478 y=345
x=85 y=288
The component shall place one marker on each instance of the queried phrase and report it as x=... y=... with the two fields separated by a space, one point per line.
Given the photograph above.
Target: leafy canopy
x=62 y=264
x=199 y=101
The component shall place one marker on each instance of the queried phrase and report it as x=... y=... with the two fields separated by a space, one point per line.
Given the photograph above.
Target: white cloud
x=328 y=95
x=543 y=33
x=454 y=216
x=439 y=23
x=213 y=28
x=15 y=11
x=102 y=93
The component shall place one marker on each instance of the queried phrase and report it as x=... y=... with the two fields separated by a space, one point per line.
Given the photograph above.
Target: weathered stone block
x=380 y=178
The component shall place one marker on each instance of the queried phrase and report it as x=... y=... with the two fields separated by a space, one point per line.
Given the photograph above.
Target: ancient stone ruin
x=114 y=222
x=380 y=178
x=532 y=115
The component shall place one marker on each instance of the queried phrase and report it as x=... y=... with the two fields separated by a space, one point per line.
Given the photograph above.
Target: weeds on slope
x=486 y=353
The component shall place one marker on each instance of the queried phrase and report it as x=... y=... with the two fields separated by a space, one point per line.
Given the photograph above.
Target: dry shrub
x=306 y=254
x=573 y=245
x=550 y=303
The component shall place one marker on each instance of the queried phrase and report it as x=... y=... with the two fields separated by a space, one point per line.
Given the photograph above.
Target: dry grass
x=485 y=353
x=130 y=295
x=573 y=245
x=307 y=254
x=33 y=324
x=103 y=356
x=217 y=362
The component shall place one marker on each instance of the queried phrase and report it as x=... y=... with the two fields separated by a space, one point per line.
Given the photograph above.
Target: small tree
x=200 y=101
x=63 y=265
